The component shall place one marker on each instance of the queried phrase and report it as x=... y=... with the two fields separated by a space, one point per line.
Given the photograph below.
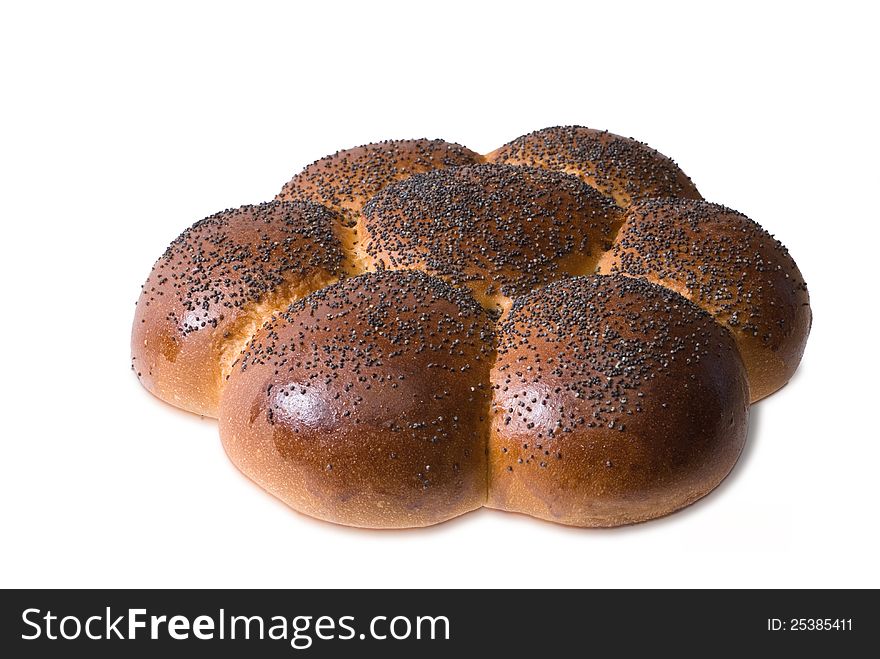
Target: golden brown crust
x=500 y=230
x=731 y=267
x=215 y=285
x=346 y=180
x=615 y=401
x=366 y=403
x=623 y=168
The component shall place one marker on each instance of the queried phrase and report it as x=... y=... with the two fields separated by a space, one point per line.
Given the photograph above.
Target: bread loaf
x=410 y=331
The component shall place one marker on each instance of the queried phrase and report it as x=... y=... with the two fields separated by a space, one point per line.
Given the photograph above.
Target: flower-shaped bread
x=411 y=331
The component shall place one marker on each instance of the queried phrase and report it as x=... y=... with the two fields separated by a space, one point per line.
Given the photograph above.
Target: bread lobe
x=499 y=230
x=615 y=401
x=623 y=168
x=215 y=284
x=728 y=265
x=346 y=180
x=366 y=402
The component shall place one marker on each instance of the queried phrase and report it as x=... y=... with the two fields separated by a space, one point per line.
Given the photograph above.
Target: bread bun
x=214 y=286
x=367 y=402
x=615 y=401
x=731 y=267
x=346 y=180
x=499 y=230
x=620 y=167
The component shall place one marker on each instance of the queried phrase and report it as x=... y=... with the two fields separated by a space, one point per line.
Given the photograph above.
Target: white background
x=122 y=126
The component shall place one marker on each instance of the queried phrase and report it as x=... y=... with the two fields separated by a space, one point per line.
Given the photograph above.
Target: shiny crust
x=731 y=267
x=615 y=401
x=367 y=403
x=212 y=288
x=623 y=168
x=499 y=230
